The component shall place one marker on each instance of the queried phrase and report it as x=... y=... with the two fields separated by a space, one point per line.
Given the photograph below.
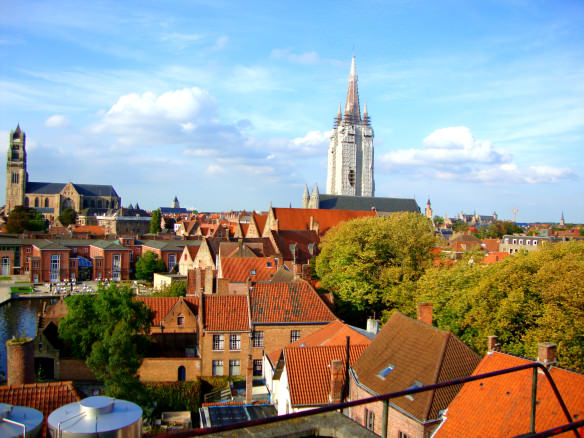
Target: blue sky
x=477 y=105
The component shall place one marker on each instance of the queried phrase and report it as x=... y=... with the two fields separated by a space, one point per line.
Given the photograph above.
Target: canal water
x=17 y=317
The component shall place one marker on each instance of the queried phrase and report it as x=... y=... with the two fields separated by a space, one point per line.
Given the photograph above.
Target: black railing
x=535 y=366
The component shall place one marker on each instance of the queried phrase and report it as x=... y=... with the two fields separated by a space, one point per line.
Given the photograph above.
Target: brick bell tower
x=16 y=174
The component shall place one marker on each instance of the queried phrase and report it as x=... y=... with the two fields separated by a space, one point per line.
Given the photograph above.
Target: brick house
x=187 y=258
x=110 y=260
x=169 y=251
x=409 y=353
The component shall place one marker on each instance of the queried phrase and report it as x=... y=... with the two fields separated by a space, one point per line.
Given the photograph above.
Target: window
x=180 y=320
x=535 y=243
x=235 y=342
x=258 y=339
x=46 y=202
x=28 y=250
x=217 y=368
x=116 y=262
x=514 y=241
x=171 y=261
x=98 y=263
x=182 y=374
x=55 y=263
x=252 y=272
x=416 y=384
x=234 y=368
x=257 y=367
x=520 y=241
x=218 y=341
x=294 y=335
x=403 y=435
x=369 y=419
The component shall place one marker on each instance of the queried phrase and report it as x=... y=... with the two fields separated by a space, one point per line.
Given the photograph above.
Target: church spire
x=352 y=109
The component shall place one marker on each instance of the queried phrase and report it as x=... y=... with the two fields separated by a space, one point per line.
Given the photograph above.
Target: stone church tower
x=16 y=174
x=350 y=158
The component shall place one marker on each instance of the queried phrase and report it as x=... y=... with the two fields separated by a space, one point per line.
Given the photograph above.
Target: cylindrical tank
x=20 y=361
x=94 y=417
x=30 y=418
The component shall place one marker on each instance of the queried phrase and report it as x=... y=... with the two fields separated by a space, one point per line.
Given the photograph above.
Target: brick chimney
x=336 y=368
x=249 y=381
x=546 y=353
x=493 y=346
x=20 y=361
x=425 y=313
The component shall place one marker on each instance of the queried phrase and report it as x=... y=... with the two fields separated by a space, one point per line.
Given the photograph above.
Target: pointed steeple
x=315 y=191
x=366 y=118
x=305 y=197
x=338 y=118
x=352 y=108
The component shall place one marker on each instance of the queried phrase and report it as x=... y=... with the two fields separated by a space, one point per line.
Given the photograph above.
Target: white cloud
x=302 y=58
x=454 y=154
x=215 y=169
x=57 y=121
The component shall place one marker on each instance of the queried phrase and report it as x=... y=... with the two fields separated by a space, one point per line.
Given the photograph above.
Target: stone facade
x=350 y=158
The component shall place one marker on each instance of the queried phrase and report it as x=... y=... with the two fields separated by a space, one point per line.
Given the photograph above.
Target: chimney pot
x=546 y=353
x=425 y=313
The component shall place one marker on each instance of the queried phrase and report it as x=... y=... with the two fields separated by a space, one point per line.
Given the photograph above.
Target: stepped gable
x=162 y=305
x=240 y=269
x=501 y=406
x=293 y=302
x=309 y=376
x=226 y=313
x=418 y=352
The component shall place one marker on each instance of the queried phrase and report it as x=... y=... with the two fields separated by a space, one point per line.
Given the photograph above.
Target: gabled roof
x=500 y=406
x=299 y=218
x=305 y=243
x=260 y=220
x=309 y=374
x=366 y=203
x=162 y=305
x=241 y=249
x=334 y=333
x=226 y=313
x=239 y=269
x=294 y=302
x=417 y=352
x=193 y=249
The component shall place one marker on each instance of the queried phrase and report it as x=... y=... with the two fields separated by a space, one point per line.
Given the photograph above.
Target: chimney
x=493 y=346
x=19 y=361
x=198 y=281
x=546 y=353
x=336 y=368
x=249 y=381
x=372 y=326
x=425 y=313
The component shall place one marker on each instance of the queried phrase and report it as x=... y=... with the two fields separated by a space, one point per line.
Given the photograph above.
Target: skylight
x=416 y=384
x=385 y=371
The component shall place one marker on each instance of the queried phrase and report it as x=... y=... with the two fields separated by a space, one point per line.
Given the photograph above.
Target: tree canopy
x=175 y=289
x=68 y=217
x=25 y=219
x=364 y=262
x=155 y=222
x=148 y=264
x=109 y=331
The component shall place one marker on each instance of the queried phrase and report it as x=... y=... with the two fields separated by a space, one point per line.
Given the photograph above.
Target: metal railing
x=385 y=398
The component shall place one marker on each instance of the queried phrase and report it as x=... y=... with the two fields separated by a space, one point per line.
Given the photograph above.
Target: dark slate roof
x=170 y=210
x=82 y=189
x=45 y=209
x=364 y=203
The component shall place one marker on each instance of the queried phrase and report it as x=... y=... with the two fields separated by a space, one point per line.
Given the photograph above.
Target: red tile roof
x=239 y=269
x=494 y=257
x=299 y=218
x=227 y=313
x=45 y=397
x=334 y=333
x=491 y=245
x=418 y=352
x=294 y=302
x=260 y=220
x=91 y=229
x=500 y=406
x=309 y=373
x=162 y=305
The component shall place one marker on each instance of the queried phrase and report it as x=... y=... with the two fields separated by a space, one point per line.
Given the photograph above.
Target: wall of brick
x=19 y=362
x=73 y=369
x=278 y=336
x=165 y=369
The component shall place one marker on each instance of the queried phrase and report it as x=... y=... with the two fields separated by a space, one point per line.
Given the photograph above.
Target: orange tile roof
x=309 y=373
x=226 y=313
x=334 y=333
x=44 y=397
x=239 y=269
x=260 y=220
x=193 y=250
x=299 y=218
x=500 y=406
x=162 y=305
x=493 y=257
x=491 y=245
x=295 y=302
x=91 y=229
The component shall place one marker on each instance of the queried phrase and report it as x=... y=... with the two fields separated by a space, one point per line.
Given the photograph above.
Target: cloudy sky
x=477 y=105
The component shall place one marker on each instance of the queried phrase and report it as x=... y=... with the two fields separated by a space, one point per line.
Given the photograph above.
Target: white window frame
x=235 y=342
x=218 y=342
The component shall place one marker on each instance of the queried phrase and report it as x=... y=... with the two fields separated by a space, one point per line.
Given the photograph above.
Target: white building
x=350 y=158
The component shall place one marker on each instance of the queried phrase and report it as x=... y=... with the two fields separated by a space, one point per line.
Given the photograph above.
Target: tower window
x=15 y=178
x=351 y=177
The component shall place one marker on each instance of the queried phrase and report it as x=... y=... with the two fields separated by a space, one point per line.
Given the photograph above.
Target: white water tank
x=102 y=417
x=26 y=419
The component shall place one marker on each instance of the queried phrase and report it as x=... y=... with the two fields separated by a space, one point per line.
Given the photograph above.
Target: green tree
x=175 y=289
x=68 y=217
x=459 y=226
x=147 y=265
x=438 y=220
x=155 y=222
x=365 y=262
x=109 y=331
x=25 y=219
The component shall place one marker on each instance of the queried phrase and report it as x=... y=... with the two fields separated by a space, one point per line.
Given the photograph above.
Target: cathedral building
x=50 y=198
x=350 y=158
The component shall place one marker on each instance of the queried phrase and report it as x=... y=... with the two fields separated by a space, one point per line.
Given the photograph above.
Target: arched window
x=36 y=202
x=46 y=202
x=26 y=201
x=182 y=374
x=99 y=203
